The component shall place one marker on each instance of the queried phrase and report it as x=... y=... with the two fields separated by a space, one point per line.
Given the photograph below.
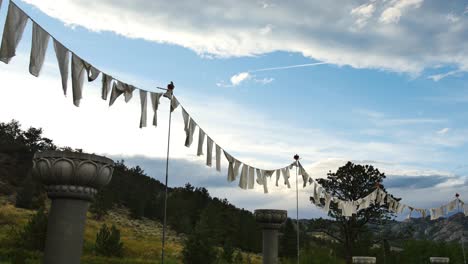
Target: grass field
x=141 y=238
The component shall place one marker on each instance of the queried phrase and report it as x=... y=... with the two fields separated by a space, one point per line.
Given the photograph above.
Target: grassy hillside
x=141 y=238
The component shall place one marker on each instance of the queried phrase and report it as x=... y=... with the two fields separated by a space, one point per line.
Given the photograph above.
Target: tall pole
x=170 y=88
x=296 y=157
x=463 y=232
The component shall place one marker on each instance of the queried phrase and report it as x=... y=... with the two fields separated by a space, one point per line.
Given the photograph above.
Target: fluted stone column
x=71 y=181
x=270 y=221
x=364 y=260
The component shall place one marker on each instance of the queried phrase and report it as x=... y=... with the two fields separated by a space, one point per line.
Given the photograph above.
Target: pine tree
x=288 y=240
x=108 y=242
x=33 y=236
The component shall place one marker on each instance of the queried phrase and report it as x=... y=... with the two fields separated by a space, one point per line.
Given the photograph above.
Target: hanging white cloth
x=278 y=176
x=40 y=40
x=465 y=209
x=347 y=208
x=154 y=104
x=218 y=157
x=230 y=159
x=326 y=206
x=452 y=205
x=190 y=132
x=106 y=86
x=237 y=165
x=410 y=212
x=78 y=71
x=120 y=88
x=251 y=181
x=209 y=151
x=266 y=174
x=259 y=176
x=304 y=174
x=286 y=176
x=13 y=32
x=380 y=198
x=63 y=59
x=436 y=212
x=400 y=208
x=201 y=139
x=93 y=73
x=174 y=103
x=144 y=107
x=243 y=181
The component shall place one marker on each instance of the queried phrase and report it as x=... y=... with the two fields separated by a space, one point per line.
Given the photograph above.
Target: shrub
x=108 y=242
x=33 y=236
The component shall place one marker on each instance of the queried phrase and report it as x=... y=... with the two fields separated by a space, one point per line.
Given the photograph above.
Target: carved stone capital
x=270 y=218
x=70 y=174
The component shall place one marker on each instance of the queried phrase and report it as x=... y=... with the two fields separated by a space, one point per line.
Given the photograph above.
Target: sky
x=379 y=82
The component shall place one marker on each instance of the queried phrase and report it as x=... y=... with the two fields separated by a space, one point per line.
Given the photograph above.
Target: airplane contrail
x=289 y=67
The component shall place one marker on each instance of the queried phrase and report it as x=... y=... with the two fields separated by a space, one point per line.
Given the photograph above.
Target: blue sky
x=393 y=91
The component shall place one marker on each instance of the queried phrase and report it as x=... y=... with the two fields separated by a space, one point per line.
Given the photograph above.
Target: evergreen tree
x=199 y=248
x=288 y=240
x=108 y=242
x=33 y=236
x=228 y=251
x=350 y=183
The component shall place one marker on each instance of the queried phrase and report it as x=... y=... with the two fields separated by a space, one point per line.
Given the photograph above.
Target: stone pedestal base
x=71 y=180
x=65 y=231
x=270 y=221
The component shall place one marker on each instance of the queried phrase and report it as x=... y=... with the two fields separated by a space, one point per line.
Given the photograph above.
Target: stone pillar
x=270 y=221
x=364 y=260
x=71 y=181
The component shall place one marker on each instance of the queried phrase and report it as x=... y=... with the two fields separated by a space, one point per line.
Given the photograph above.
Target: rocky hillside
x=444 y=229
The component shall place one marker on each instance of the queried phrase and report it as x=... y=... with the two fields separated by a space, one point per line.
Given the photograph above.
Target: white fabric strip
x=174 y=103
x=209 y=151
x=230 y=159
x=286 y=176
x=259 y=177
x=218 y=157
x=93 y=73
x=144 y=108
x=120 y=88
x=63 y=59
x=266 y=174
x=78 y=71
x=201 y=139
x=190 y=131
x=40 y=40
x=251 y=182
x=278 y=175
x=13 y=32
x=244 y=177
x=154 y=104
x=106 y=86
x=237 y=165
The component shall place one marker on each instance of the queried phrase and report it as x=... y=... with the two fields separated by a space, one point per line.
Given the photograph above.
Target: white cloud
x=451 y=17
x=319 y=29
x=394 y=11
x=363 y=13
x=239 y=78
x=443 y=131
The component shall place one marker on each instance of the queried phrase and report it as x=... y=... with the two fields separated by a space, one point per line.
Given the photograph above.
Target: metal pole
x=297 y=208
x=167 y=176
x=463 y=233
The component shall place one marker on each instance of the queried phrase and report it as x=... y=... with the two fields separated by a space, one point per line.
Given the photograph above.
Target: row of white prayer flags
x=14 y=27
x=379 y=197
x=15 y=24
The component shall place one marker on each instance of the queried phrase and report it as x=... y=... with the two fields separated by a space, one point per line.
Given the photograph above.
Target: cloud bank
x=406 y=36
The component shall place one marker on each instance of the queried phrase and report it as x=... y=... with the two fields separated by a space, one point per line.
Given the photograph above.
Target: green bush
x=108 y=242
x=33 y=236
